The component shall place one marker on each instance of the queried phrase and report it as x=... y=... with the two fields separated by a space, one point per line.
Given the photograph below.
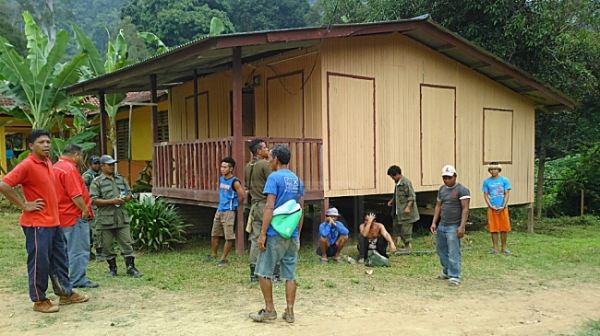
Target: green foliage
x=253 y=15
x=144 y=181
x=154 y=42
x=36 y=82
x=176 y=22
x=155 y=224
x=592 y=328
x=84 y=139
x=9 y=26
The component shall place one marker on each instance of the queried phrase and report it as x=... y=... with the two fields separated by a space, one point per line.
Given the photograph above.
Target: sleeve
x=16 y=176
x=463 y=193
x=438 y=198
x=300 y=187
x=87 y=178
x=95 y=190
x=270 y=186
x=71 y=184
x=411 y=192
x=342 y=229
x=127 y=189
x=324 y=229
x=484 y=186
x=507 y=185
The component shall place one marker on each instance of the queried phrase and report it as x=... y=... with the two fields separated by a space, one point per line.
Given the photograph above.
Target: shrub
x=155 y=224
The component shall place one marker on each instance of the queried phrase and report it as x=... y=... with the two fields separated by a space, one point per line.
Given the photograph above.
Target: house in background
x=349 y=100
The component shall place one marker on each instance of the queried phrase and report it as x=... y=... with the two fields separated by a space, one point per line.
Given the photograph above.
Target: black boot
x=112 y=267
x=131 y=270
x=253 y=277
x=99 y=255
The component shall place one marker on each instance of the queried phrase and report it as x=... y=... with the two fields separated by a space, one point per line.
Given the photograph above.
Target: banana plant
x=115 y=59
x=36 y=82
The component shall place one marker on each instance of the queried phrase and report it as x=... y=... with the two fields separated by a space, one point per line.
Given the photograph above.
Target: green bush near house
x=155 y=224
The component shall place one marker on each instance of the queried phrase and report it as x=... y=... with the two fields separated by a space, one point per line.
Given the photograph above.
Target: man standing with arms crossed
x=281 y=187
x=44 y=238
x=451 y=211
x=75 y=214
x=255 y=177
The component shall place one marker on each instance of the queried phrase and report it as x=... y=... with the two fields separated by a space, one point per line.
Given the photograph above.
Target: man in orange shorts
x=496 y=190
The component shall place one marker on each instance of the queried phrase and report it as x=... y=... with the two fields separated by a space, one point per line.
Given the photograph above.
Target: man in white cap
x=449 y=220
x=333 y=236
x=496 y=190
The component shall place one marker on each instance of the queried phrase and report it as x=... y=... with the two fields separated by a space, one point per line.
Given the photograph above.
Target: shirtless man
x=373 y=236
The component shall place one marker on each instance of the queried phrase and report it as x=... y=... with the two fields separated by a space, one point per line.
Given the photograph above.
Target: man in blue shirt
x=231 y=193
x=281 y=187
x=334 y=235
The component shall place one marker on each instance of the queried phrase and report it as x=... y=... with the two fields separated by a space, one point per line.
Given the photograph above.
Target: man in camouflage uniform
x=255 y=176
x=404 y=205
x=109 y=192
x=88 y=176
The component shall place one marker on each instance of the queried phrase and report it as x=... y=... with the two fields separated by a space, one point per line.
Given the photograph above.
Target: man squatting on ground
x=109 y=193
x=231 y=194
x=255 y=177
x=449 y=220
x=373 y=236
x=333 y=236
x=75 y=213
x=281 y=186
x=44 y=238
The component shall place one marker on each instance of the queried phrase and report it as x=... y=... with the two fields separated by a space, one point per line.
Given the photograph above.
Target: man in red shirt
x=44 y=239
x=74 y=214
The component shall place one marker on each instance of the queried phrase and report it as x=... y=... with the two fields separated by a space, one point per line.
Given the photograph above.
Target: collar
x=36 y=159
x=68 y=160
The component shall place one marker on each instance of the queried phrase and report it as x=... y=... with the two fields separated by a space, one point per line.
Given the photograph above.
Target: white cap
x=448 y=170
x=332 y=212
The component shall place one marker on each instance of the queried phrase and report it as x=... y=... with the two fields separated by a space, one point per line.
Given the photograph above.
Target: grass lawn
x=561 y=252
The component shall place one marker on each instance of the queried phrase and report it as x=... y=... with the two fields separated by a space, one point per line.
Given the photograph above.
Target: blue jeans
x=46 y=257
x=447 y=246
x=78 y=250
x=279 y=251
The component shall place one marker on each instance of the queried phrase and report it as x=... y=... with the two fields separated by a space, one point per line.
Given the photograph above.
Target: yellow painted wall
x=400 y=66
x=141 y=129
x=286 y=92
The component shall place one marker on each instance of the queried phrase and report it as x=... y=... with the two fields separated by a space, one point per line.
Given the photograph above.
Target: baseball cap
x=332 y=212
x=448 y=170
x=107 y=159
x=94 y=159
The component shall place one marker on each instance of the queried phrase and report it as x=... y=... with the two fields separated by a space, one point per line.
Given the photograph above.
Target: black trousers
x=363 y=246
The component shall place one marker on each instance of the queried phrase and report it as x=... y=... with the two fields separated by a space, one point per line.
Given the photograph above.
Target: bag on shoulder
x=286 y=218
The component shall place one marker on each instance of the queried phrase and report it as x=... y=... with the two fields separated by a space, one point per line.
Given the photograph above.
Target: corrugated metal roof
x=212 y=54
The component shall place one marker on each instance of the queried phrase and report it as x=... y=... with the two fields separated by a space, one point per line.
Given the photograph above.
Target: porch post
x=237 y=146
x=102 y=100
x=154 y=101
x=196 y=112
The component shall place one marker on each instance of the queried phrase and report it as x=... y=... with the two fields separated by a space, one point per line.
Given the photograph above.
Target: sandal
x=493 y=251
x=337 y=259
x=289 y=318
x=506 y=252
x=324 y=260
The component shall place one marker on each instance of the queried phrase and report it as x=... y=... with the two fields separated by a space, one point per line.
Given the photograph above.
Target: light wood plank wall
x=400 y=67
x=287 y=85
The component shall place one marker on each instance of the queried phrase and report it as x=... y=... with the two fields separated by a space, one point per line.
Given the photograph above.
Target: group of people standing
x=58 y=207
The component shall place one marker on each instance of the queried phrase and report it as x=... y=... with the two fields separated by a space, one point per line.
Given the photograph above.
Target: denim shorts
x=282 y=251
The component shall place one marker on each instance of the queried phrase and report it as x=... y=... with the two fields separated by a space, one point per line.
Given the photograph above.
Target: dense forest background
x=557 y=41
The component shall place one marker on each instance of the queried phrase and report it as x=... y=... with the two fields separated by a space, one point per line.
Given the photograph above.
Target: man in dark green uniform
x=88 y=176
x=109 y=192
x=255 y=176
x=404 y=204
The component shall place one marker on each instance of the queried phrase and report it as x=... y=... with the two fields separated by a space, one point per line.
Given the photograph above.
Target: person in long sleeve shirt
x=334 y=235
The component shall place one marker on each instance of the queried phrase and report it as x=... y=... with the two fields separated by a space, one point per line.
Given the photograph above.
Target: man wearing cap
x=109 y=193
x=404 y=203
x=74 y=213
x=334 y=235
x=88 y=176
x=496 y=190
x=449 y=220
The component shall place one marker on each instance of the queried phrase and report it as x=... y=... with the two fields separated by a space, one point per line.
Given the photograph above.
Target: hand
x=406 y=211
x=370 y=217
x=393 y=249
x=331 y=221
x=262 y=239
x=432 y=228
x=390 y=203
x=460 y=232
x=118 y=201
x=85 y=214
x=36 y=205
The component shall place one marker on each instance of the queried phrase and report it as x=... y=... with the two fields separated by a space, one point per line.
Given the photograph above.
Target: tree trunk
x=540 y=180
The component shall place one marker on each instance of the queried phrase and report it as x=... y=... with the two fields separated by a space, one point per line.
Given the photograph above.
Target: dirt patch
x=515 y=309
